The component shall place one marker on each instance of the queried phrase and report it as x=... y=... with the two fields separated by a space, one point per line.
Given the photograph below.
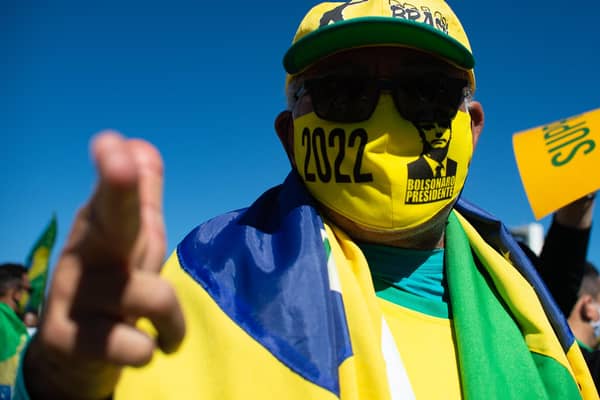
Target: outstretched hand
x=107 y=277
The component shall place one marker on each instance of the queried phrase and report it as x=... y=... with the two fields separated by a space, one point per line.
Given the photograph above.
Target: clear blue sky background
x=203 y=81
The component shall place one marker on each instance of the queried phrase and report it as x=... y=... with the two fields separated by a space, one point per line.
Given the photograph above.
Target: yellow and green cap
x=427 y=25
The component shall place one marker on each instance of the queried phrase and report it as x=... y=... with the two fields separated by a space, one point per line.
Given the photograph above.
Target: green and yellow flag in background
x=37 y=262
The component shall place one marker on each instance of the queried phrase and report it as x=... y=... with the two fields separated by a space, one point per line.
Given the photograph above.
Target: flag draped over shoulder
x=528 y=350
x=37 y=263
x=279 y=304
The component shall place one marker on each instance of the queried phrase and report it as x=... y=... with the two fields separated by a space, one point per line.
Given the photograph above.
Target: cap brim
x=374 y=31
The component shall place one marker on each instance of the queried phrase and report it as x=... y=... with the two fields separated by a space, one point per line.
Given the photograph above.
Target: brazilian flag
x=37 y=263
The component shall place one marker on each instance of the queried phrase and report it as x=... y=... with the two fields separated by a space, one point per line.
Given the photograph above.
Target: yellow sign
x=559 y=162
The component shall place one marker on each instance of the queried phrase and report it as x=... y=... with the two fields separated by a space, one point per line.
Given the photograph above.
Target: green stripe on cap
x=374 y=31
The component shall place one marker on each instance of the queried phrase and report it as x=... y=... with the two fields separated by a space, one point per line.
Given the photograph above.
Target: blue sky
x=204 y=81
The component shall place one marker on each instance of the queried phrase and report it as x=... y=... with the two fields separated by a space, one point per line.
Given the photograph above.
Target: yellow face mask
x=385 y=173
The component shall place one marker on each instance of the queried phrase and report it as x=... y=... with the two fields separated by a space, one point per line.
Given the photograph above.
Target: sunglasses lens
x=434 y=98
x=343 y=99
x=430 y=99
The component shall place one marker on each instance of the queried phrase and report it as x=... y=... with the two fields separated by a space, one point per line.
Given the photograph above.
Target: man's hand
x=105 y=279
x=577 y=214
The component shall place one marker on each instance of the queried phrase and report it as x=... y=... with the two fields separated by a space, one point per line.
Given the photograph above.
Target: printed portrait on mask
x=433 y=170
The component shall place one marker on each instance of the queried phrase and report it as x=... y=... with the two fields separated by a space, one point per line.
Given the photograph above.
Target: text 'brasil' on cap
x=427 y=25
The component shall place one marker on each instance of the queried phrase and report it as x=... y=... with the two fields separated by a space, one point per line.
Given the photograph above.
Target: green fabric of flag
x=493 y=356
x=13 y=336
x=38 y=261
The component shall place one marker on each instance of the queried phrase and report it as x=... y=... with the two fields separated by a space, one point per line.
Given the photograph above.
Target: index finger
x=114 y=210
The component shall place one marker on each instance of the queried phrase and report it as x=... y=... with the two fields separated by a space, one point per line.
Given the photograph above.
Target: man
x=563 y=259
x=573 y=281
x=584 y=318
x=327 y=286
x=13 y=333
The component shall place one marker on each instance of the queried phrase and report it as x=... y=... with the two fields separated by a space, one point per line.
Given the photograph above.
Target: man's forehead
x=380 y=61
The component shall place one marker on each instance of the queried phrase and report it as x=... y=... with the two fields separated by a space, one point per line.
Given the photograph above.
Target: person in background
x=30 y=319
x=351 y=280
x=562 y=262
x=14 y=284
x=584 y=318
x=573 y=281
x=563 y=259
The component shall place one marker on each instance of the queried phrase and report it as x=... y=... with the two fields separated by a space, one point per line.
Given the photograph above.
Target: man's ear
x=477 y=120
x=284 y=126
x=588 y=308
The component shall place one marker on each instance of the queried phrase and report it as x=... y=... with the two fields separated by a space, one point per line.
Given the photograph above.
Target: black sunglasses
x=424 y=98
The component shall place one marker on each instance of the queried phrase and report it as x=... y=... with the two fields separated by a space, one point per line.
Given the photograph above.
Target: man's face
x=436 y=135
x=19 y=293
x=373 y=91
